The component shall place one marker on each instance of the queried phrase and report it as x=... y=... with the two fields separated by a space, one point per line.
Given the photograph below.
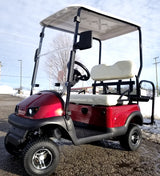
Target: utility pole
x=0 y=68
x=20 y=75
x=156 y=63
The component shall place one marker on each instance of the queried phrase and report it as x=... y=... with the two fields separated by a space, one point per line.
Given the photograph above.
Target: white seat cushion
x=105 y=100
x=120 y=70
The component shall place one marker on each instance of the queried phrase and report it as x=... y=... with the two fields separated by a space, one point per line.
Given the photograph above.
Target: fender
x=135 y=117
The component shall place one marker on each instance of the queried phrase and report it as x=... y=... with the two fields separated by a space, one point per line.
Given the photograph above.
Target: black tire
x=13 y=150
x=41 y=157
x=132 y=139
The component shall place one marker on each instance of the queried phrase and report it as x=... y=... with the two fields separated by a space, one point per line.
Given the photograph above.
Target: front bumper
x=19 y=127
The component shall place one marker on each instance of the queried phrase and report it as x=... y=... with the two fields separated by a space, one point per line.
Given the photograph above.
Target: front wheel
x=132 y=140
x=41 y=157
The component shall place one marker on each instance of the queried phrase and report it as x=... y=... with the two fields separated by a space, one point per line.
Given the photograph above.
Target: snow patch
x=146 y=108
x=6 y=90
x=151 y=132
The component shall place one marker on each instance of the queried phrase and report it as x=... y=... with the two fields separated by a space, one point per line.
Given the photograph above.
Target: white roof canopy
x=101 y=24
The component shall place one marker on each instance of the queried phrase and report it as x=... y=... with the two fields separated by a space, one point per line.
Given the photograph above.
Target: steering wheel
x=78 y=76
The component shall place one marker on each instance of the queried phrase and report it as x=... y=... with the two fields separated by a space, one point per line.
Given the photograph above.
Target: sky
x=20 y=28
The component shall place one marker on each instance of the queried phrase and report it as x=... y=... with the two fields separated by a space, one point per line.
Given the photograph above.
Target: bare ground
x=106 y=158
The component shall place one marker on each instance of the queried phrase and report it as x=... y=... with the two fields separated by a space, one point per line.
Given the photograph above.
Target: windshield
x=55 y=55
x=53 y=59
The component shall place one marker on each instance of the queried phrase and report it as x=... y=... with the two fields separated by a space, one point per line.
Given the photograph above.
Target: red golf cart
x=43 y=118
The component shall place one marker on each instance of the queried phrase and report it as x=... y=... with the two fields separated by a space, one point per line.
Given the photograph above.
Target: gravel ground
x=106 y=158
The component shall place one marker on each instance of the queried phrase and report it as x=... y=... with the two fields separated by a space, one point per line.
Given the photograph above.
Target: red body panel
x=109 y=117
x=49 y=105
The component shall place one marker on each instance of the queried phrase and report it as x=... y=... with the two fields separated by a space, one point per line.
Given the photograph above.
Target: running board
x=114 y=133
x=94 y=138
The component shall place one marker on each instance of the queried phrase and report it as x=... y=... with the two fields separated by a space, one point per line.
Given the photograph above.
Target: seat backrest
x=119 y=70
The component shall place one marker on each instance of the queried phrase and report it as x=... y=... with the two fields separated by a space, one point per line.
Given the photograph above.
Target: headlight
x=32 y=111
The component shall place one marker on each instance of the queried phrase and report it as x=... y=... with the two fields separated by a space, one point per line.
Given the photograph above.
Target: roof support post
x=141 y=62
x=71 y=65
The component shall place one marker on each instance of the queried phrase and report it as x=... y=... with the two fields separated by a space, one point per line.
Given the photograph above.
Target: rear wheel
x=41 y=157
x=132 y=140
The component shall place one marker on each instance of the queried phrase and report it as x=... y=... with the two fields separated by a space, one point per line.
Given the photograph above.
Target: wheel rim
x=135 y=138
x=42 y=159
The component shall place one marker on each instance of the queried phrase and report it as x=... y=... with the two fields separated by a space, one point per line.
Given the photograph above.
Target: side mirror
x=57 y=84
x=36 y=85
x=85 y=41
